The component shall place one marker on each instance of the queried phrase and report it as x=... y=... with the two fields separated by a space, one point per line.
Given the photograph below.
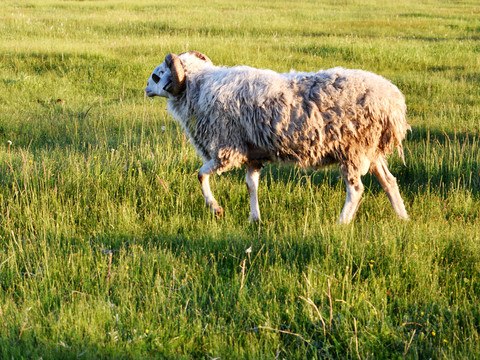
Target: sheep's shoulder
x=241 y=83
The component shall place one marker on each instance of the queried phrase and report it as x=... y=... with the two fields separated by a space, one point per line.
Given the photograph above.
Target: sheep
x=242 y=115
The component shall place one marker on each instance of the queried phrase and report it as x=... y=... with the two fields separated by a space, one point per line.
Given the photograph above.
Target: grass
x=106 y=250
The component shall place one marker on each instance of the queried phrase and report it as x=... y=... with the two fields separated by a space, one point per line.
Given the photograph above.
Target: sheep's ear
x=177 y=84
x=201 y=56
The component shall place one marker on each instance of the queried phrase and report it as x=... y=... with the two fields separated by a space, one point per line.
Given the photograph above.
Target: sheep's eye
x=155 y=78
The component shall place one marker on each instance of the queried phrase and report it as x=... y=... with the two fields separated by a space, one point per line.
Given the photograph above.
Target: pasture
x=107 y=250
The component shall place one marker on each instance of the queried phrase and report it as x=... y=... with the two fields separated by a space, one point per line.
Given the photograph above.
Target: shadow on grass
x=226 y=251
x=29 y=347
x=441 y=161
x=434 y=160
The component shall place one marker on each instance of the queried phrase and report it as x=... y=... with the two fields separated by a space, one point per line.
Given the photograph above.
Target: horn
x=178 y=74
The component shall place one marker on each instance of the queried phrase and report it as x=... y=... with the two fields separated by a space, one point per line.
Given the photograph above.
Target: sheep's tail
x=400 y=130
x=400 y=147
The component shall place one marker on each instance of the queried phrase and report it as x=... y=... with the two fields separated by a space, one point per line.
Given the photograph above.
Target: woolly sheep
x=242 y=115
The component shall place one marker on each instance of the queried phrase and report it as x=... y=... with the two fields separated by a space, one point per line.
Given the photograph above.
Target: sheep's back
x=312 y=119
x=341 y=115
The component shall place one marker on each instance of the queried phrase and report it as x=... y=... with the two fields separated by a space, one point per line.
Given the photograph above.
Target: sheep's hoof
x=218 y=212
x=342 y=221
x=253 y=220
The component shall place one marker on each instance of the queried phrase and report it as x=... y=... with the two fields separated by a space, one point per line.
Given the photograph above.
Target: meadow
x=107 y=251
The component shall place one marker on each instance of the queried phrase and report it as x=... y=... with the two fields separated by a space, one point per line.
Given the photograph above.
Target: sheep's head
x=169 y=77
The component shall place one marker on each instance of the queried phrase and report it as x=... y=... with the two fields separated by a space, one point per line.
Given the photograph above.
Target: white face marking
x=159 y=79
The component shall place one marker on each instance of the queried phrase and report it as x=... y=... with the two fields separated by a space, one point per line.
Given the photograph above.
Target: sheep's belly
x=308 y=157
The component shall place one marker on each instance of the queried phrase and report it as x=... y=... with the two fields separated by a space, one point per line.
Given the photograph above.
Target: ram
x=242 y=115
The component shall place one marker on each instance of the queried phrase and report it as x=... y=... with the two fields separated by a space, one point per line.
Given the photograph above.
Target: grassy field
x=107 y=251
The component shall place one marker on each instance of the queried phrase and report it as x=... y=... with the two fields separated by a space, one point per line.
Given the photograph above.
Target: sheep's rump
x=242 y=114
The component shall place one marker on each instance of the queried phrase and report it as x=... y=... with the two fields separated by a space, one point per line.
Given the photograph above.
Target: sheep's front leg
x=253 y=174
x=203 y=176
x=354 y=194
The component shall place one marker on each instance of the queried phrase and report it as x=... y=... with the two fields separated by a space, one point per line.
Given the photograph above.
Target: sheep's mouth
x=149 y=93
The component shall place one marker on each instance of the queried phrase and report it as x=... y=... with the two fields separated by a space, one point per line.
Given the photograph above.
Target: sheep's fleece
x=242 y=115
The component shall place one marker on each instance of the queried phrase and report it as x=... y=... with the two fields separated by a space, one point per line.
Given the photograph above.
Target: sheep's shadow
x=434 y=159
x=437 y=160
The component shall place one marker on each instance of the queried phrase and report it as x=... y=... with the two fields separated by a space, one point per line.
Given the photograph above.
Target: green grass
x=107 y=251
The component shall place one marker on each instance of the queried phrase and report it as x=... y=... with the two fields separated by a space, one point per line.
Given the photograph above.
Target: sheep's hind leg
x=253 y=174
x=354 y=194
x=203 y=176
x=389 y=184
